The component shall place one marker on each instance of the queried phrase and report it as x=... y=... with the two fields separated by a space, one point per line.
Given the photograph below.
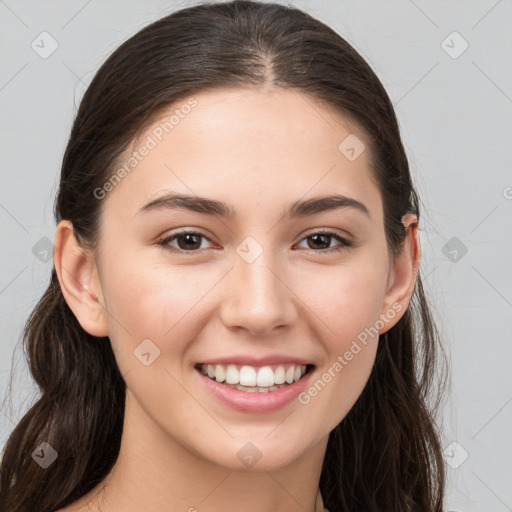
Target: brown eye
x=189 y=241
x=185 y=242
x=320 y=242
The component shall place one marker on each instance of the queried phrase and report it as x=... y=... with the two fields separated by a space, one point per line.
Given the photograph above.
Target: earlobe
x=403 y=274
x=79 y=280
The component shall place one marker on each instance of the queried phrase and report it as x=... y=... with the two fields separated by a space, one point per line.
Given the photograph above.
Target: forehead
x=246 y=146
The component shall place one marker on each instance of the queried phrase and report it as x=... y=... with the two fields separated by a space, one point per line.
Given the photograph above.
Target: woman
x=235 y=318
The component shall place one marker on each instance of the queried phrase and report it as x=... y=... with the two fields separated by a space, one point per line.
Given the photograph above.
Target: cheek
x=153 y=301
x=346 y=298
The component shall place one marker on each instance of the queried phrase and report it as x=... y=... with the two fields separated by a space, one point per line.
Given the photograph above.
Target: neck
x=155 y=472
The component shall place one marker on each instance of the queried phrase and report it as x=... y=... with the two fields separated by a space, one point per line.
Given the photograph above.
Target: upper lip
x=257 y=361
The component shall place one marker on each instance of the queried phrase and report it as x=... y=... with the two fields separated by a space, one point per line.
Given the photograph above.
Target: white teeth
x=220 y=374
x=248 y=378
x=279 y=375
x=254 y=389
x=250 y=390
x=232 y=374
x=265 y=377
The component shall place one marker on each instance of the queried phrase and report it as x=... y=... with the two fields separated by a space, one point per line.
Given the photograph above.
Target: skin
x=259 y=151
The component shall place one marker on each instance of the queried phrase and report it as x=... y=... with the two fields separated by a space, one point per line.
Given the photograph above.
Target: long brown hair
x=385 y=455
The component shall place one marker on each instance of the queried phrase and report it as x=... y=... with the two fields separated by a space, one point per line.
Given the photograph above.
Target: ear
x=79 y=281
x=403 y=274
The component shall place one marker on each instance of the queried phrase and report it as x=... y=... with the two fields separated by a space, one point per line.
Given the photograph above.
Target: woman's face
x=261 y=287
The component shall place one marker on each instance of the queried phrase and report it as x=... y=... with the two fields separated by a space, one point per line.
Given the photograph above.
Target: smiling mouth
x=263 y=379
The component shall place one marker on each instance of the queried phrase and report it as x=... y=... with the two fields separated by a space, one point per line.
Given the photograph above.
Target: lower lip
x=246 y=401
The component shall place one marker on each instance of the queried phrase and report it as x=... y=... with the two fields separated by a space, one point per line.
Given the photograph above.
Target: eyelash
x=344 y=242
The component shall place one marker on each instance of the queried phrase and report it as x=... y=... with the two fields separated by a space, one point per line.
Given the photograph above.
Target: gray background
x=455 y=115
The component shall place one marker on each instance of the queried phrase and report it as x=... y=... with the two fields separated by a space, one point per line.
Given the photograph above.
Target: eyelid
x=329 y=231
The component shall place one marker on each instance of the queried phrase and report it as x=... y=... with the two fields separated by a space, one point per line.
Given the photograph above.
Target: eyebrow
x=214 y=207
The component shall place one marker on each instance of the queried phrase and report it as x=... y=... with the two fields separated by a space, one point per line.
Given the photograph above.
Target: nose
x=258 y=297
